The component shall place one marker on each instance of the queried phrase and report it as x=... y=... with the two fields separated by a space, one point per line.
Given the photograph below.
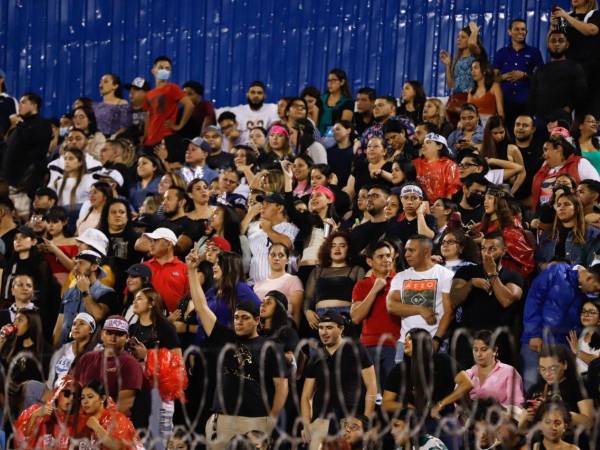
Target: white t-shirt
x=248 y=118
x=495 y=176
x=422 y=289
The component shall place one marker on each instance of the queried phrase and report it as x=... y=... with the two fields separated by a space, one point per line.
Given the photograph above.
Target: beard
x=170 y=214
x=556 y=55
x=255 y=106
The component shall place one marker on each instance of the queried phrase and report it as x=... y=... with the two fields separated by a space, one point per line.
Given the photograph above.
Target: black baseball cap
x=275 y=197
x=25 y=230
x=138 y=83
x=140 y=270
x=249 y=307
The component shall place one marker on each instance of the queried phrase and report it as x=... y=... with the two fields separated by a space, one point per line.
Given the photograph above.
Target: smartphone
x=200 y=247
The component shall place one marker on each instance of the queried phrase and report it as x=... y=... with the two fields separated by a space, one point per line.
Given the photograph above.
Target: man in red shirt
x=162 y=104
x=369 y=308
x=169 y=274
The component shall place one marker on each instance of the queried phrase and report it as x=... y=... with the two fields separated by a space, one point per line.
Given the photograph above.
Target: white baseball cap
x=436 y=138
x=163 y=233
x=95 y=239
x=113 y=174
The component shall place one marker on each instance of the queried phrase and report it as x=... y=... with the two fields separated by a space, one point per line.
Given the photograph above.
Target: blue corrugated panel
x=61 y=48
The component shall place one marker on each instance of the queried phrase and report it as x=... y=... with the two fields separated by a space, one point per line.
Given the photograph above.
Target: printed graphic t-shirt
x=422 y=289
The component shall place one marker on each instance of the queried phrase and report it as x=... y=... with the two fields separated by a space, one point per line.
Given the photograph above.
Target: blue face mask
x=163 y=74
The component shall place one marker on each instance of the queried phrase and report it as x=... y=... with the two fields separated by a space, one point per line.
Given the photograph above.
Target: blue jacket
x=553 y=305
x=575 y=253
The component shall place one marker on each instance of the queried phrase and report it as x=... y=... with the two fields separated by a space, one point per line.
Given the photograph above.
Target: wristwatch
x=438 y=339
x=85 y=293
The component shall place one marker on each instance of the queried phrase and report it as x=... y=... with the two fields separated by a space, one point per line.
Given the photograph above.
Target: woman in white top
x=586 y=347
x=280 y=280
x=74 y=184
x=85 y=119
x=89 y=216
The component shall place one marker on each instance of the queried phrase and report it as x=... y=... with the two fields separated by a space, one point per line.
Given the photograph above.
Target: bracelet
x=492 y=275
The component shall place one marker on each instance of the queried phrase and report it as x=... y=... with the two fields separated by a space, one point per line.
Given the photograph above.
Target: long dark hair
x=92 y=123
x=103 y=223
x=488 y=146
x=306 y=135
x=503 y=211
x=80 y=173
x=421 y=367
x=341 y=74
x=563 y=355
x=14 y=343
x=312 y=91
x=232 y=273
x=116 y=81
x=420 y=97
x=483 y=56
x=487 y=72
x=470 y=251
x=231 y=228
x=279 y=319
x=157 y=313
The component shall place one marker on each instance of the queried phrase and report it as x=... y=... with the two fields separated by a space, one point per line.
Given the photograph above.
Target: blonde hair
x=441 y=111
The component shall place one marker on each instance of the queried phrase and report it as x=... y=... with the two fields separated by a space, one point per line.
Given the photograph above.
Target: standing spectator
x=162 y=104
x=112 y=367
x=583 y=28
x=113 y=113
x=380 y=330
x=324 y=395
x=586 y=139
x=84 y=119
x=552 y=310
x=558 y=84
x=27 y=142
x=271 y=228
x=337 y=101
x=412 y=101
x=421 y=294
x=486 y=93
x=243 y=408
x=88 y=295
x=169 y=274
x=8 y=106
x=531 y=150
x=256 y=113
x=203 y=113
x=137 y=93
x=363 y=117
x=436 y=172
x=515 y=65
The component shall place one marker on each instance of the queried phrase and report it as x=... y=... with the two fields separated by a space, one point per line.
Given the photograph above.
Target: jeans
x=383 y=358
x=530 y=366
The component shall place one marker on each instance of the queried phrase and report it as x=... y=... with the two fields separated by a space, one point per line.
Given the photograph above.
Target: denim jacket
x=574 y=253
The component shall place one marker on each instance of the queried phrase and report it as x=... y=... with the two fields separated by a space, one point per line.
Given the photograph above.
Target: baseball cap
x=436 y=138
x=222 y=243
x=411 y=189
x=138 y=83
x=95 y=239
x=163 y=233
x=233 y=200
x=116 y=323
x=140 y=270
x=25 y=230
x=249 y=307
x=113 y=174
x=214 y=128
x=332 y=317
x=89 y=255
x=279 y=298
x=275 y=197
x=200 y=143
x=87 y=318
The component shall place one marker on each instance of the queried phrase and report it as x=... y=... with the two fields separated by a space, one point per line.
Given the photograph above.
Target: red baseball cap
x=222 y=243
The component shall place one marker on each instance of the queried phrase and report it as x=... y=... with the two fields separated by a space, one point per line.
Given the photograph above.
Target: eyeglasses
x=449 y=242
x=589 y=312
x=350 y=426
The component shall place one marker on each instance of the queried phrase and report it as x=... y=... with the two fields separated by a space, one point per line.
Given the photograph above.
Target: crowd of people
x=328 y=270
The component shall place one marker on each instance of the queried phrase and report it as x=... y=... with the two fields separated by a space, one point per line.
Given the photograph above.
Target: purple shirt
x=504 y=384
x=111 y=118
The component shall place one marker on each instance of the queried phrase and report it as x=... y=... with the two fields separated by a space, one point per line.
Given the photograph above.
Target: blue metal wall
x=61 y=48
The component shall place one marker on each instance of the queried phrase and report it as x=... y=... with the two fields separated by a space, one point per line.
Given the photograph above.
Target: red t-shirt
x=124 y=374
x=162 y=104
x=170 y=280
x=379 y=321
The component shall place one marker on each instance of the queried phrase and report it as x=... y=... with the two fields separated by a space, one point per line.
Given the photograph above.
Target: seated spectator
x=245 y=164
x=392 y=206
x=363 y=116
x=329 y=286
x=554 y=420
x=570 y=239
x=490 y=377
x=469 y=131
x=498 y=216
x=88 y=295
x=303 y=142
x=232 y=134
x=340 y=156
x=337 y=101
x=323 y=175
x=374 y=168
x=384 y=109
x=586 y=140
x=218 y=158
x=296 y=109
x=403 y=436
x=22 y=296
x=84 y=339
x=301 y=176
x=112 y=113
x=396 y=140
x=276 y=149
x=281 y=281
x=91 y=210
x=436 y=173
x=412 y=101
x=84 y=119
x=75 y=139
x=414 y=218
x=552 y=310
x=434 y=112
x=558 y=378
x=446 y=216
x=149 y=171
x=195 y=162
x=198 y=192
x=486 y=93
x=312 y=96
x=458 y=250
x=586 y=347
x=377 y=224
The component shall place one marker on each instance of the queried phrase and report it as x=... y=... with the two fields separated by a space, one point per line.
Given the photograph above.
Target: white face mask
x=163 y=74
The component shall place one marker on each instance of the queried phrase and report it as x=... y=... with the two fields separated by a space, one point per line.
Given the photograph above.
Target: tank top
x=486 y=103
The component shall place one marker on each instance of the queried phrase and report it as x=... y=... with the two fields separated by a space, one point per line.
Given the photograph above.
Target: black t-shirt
x=340 y=160
x=242 y=371
x=121 y=254
x=220 y=161
x=359 y=123
x=8 y=239
x=471 y=216
x=481 y=310
x=363 y=234
x=362 y=176
x=584 y=49
x=161 y=335
x=348 y=367
x=533 y=160
x=403 y=229
x=568 y=391
x=286 y=337
x=184 y=225
x=399 y=380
